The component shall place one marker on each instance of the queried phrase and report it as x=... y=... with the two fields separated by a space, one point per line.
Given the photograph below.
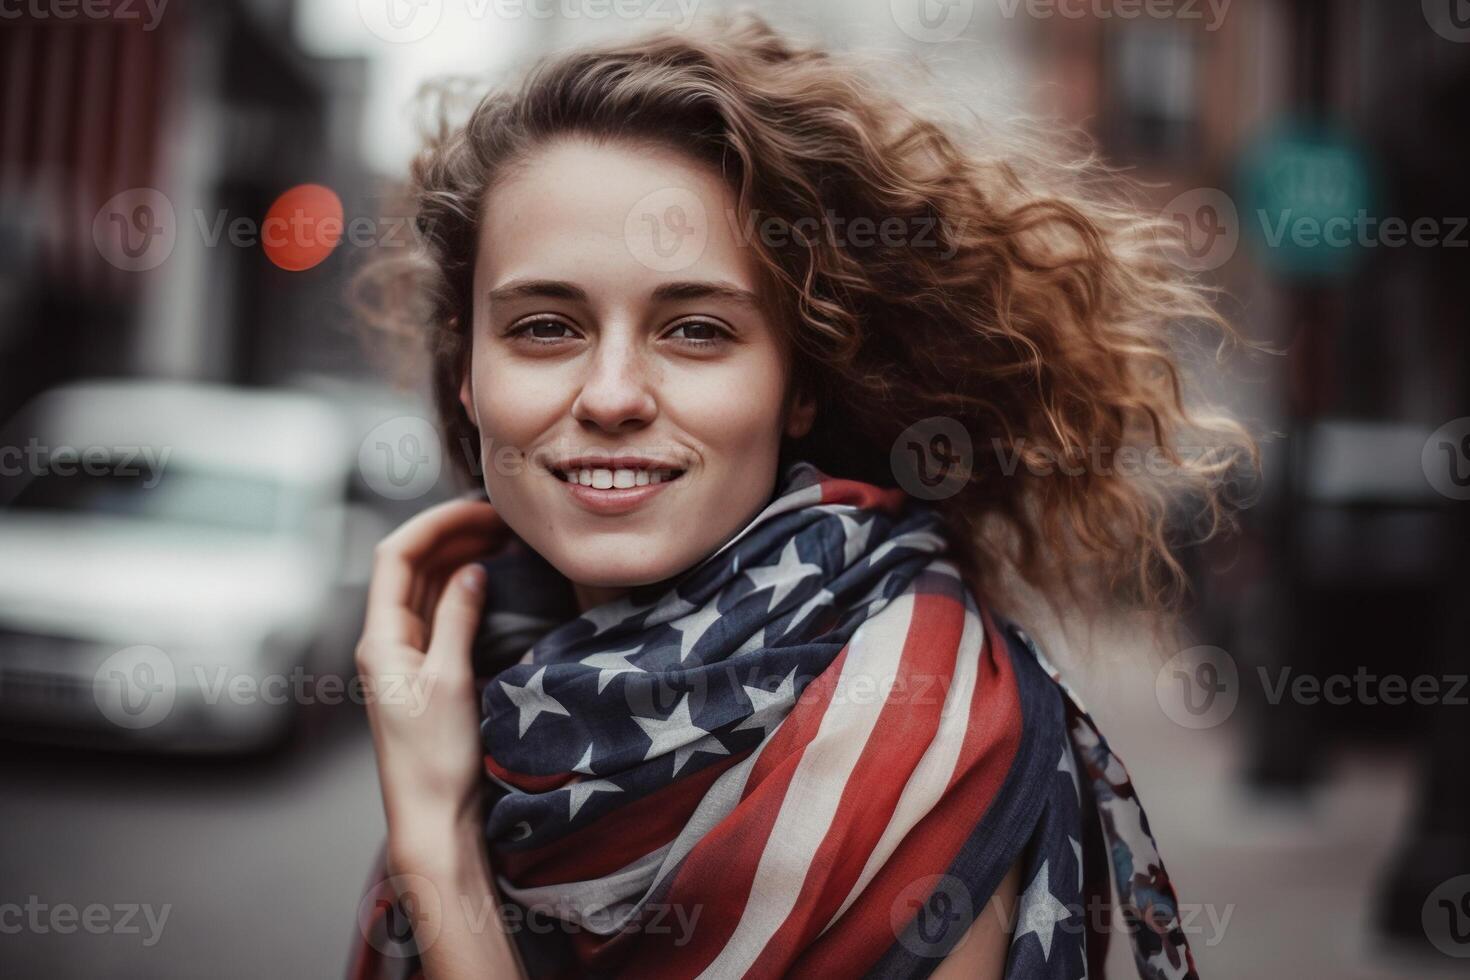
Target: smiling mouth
x=602 y=478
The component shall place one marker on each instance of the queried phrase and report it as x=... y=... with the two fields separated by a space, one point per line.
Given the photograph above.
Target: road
x=219 y=869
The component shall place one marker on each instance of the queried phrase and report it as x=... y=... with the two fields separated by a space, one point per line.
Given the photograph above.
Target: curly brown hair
x=1044 y=319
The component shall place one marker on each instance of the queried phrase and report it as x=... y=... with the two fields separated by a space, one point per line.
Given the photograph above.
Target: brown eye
x=701 y=333
x=540 y=331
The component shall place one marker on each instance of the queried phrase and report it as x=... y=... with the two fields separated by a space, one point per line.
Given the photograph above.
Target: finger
x=456 y=618
x=426 y=531
x=397 y=610
x=392 y=616
x=441 y=539
x=436 y=569
x=447 y=561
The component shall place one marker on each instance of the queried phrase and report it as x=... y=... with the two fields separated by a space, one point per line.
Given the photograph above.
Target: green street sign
x=1307 y=200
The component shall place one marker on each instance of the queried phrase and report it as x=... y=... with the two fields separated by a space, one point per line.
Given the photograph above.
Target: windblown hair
x=1043 y=319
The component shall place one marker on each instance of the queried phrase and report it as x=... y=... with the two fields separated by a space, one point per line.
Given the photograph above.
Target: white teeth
x=607 y=479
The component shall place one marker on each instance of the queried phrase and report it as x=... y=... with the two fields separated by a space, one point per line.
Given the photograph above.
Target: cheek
x=739 y=409
x=515 y=406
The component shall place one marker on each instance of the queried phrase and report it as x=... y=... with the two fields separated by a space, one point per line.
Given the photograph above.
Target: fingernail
x=473 y=579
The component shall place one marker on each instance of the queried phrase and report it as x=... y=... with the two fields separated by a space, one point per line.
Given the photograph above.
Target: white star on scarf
x=609 y=614
x=582 y=789
x=693 y=627
x=584 y=764
x=611 y=664
x=1041 y=910
x=673 y=733
x=531 y=701
x=1068 y=765
x=784 y=576
x=855 y=535
x=765 y=703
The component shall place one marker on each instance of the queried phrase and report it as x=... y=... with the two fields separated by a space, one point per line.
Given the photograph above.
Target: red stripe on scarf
x=865 y=495
x=527 y=783
x=855 y=942
x=902 y=733
x=619 y=838
x=726 y=857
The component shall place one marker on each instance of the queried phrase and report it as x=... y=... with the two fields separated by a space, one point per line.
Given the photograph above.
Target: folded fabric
x=815 y=753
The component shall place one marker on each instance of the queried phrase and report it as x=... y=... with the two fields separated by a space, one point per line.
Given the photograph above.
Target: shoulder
x=983 y=949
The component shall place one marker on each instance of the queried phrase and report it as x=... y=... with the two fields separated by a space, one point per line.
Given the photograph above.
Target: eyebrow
x=666 y=293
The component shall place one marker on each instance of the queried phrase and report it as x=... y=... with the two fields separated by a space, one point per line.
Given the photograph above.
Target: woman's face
x=616 y=315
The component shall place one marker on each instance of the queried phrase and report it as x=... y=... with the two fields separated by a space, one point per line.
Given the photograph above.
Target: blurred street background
x=198 y=449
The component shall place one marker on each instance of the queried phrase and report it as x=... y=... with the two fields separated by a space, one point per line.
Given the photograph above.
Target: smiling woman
x=581 y=351
x=717 y=681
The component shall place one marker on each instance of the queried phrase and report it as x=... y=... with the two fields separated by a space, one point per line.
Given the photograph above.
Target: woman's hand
x=423 y=608
x=414 y=656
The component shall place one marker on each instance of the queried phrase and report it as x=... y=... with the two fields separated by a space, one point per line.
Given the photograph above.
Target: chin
x=615 y=565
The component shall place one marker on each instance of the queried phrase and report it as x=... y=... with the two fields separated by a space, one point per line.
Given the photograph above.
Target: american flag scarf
x=815 y=753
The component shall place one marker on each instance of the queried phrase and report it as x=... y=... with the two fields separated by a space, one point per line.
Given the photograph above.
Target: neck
x=595 y=595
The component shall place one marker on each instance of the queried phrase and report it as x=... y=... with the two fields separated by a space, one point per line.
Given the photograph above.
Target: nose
x=617 y=391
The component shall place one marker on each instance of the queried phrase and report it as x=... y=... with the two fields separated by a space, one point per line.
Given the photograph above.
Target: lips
x=606 y=498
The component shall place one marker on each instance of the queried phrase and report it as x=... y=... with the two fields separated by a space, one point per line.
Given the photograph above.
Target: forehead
x=617 y=212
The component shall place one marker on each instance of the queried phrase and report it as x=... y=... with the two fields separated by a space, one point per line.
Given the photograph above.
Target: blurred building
x=201 y=118
x=1352 y=564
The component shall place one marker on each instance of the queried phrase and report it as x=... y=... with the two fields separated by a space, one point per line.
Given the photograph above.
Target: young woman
x=770 y=380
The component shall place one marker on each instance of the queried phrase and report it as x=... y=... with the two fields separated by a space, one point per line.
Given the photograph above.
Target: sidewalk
x=1286 y=888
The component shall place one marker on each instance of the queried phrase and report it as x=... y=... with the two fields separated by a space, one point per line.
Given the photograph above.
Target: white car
x=172 y=554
